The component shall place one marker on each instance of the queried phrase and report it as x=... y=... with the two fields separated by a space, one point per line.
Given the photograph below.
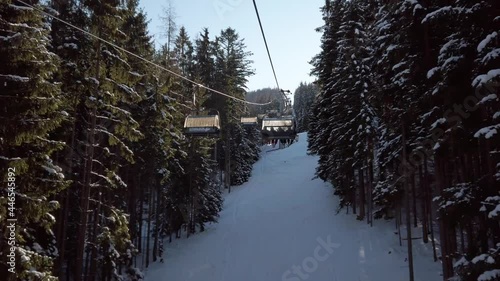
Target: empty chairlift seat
x=249 y=121
x=202 y=126
x=278 y=128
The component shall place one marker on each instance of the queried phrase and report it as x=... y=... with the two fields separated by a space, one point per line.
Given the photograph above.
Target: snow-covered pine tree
x=384 y=45
x=109 y=128
x=303 y=99
x=31 y=106
x=466 y=88
x=207 y=195
x=182 y=56
x=434 y=75
x=155 y=113
x=231 y=72
x=486 y=81
x=243 y=155
x=344 y=127
x=75 y=50
x=204 y=60
x=323 y=64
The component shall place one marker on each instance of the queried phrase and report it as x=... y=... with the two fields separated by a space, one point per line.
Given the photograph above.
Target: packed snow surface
x=282 y=226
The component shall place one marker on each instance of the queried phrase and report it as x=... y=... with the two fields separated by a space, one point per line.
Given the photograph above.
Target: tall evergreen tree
x=425 y=129
x=31 y=108
x=232 y=66
x=75 y=50
x=109 y=127
x=303 y=99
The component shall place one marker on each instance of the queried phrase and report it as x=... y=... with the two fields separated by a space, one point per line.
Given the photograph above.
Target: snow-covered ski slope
x=281 y=226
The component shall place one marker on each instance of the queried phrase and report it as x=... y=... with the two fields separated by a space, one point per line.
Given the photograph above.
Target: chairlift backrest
x=249 y=121
x=278 y=128
x=203 y=126
x=286 y=122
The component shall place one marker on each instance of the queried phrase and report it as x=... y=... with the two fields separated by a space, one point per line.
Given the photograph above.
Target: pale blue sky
x=288 y=24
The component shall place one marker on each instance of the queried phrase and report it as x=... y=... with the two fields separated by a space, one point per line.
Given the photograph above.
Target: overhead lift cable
x=265 y=42
x=137 y=56
x=285 y=98
x=280 y=128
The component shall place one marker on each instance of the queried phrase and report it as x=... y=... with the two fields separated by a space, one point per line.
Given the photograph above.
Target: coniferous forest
x=93 y=137
x=404 y=116
x=409 y=105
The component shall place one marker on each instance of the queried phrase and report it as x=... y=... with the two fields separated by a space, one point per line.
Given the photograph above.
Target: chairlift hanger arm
x=287 y=102
x=283 y=95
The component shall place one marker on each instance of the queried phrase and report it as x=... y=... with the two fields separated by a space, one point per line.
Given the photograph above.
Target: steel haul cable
x=265 y=42
x=283 y=95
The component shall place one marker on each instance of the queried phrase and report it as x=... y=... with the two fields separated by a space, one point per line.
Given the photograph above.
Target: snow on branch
x=9 y=38
x=9 y=159
x=490 y=97
x=117 y=109
x=489 y=275
x=128 y=90
x=109 y=54
x=108 y=180
x=449 y=10
x=485 y=78
x=119 y=180
x=17 y=7
x=15 y=78
x=494 y=54
x=117 y=140
x=487 y=132
x=51 y=141
x=486 y=41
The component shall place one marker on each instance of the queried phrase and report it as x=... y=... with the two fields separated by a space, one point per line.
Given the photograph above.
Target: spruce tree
x=303 y=99
x=31 y=109
x=109 y=128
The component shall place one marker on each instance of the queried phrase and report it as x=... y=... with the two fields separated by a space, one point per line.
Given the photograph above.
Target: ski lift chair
x=281 y=128
x=202 y=125
x=249 y=122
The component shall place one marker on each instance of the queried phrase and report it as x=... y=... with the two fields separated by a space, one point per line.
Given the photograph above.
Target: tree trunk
x=471 y=245
x=423 y=202
x=444 y=227
x=170 y=226
x=228 y=164
x=453 y=242
x=428 y=199
x=159 y=225
x=361 y=194
x=398 y=221
x=414 y=199
x=352 y=185
x=93 y=240
x=370 y=169
x=140 y=247
x=190 y=196
x=84 y=202
x=462 y=240
x=431 y=226
x=63 y=222
x=132 y=207
x=367 y=194
x=150 y=215
x=408 y=215
x=483 y=163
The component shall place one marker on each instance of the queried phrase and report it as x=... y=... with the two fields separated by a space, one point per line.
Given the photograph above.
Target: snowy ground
x=281 y=226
